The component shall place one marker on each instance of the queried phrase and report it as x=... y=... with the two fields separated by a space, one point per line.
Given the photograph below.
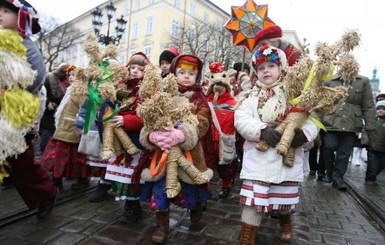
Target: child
x=240 y=80
x=127 y=96
x=165 y=60
x=187 y=69
x=267 y=183
x=219 y=96
x=376 y=155
x=61 y=154
x=33 y=184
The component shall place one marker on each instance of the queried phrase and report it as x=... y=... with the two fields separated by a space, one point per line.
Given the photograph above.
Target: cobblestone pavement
x=324 y=216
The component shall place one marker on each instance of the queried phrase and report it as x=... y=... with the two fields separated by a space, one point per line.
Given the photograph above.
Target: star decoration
x=246 y=21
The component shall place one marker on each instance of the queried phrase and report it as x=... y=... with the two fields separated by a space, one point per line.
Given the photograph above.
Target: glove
x=299 y=138
x=177 y=136
x=371 y=137
x=166 y=139
x=271 y=136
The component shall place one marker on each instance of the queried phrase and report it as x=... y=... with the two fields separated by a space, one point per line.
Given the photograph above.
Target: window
x=149 y=24
x=121 y=56
x=177 y=4
x=193 y=9
x=150 y=2
x=206 y=17
x=126 y=9
x=147 y=50
x=132 y=50
x=136 y=5
x=175 y=28
x=134 y=31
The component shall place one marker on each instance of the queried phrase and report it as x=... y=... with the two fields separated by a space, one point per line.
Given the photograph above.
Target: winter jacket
x=347 y=117
x=66 y=116
x=54 y=95
x=266 y=166
x=379 y=140
x=37 y=63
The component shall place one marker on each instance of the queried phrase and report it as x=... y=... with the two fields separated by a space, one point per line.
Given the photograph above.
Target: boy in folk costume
x=61 y=154
x=33 y=184
x=187 y=69
x=264 y=173
x=222 y=102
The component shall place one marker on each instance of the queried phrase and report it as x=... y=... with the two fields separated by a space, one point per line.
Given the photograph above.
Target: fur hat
x=238 y=66
x=25 y=12
x=269 y=32
x=380 y=104
x=189 y=62
x=169 y=54
x=269 y=53
x=217 y=75
x=138 y=58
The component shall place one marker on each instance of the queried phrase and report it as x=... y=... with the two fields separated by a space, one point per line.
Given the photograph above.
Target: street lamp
x=97 y=25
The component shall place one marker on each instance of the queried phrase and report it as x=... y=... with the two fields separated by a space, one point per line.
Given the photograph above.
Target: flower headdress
x=266 y=53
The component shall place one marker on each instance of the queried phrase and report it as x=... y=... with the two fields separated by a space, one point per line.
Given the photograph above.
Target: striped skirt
x=266 y=197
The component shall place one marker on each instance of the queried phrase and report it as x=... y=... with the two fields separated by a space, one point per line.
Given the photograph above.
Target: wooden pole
x=243 y=58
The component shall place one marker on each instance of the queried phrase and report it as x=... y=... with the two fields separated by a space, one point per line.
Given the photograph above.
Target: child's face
x=8 y=19
x=136 y=71
x=380 y=112
x=268 y=72
x=71 y=77
x=186 y=77
x=165 y=66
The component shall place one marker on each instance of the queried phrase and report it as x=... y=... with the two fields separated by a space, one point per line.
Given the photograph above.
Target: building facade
x=150 y=26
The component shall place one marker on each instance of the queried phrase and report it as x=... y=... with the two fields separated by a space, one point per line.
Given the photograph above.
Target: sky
x=315 y=20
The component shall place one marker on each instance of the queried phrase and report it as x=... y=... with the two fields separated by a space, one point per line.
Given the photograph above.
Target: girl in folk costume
x=61 y=155
x=187 y=136
x=222 y=102
x=128 y=99
x=268 y=184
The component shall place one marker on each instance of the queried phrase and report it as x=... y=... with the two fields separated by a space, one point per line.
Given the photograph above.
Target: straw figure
x=18 y=108
x=162 y=109
x=306 y=93
x=98 y=84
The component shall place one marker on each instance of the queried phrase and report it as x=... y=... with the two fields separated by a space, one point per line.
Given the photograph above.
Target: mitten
x=299 y=138
x=271 y=136
x=161 y=139
x=177 y=136
x=371 y=137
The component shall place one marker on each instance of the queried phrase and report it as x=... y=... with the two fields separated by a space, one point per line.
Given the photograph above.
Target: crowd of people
x=230 y=112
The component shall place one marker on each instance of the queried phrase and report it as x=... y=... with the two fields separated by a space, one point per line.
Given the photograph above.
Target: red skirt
x=63 y=160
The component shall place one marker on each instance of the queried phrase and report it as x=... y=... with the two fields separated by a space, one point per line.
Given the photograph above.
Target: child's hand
x=78 y=131
x=271 y=136
x=299 y=138
x=117 y=121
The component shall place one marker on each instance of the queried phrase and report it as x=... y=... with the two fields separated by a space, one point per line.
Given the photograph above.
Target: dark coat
x=357 y=109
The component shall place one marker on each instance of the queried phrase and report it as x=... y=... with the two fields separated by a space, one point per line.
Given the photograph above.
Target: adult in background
x=32 y=183
x=346 y=121
x=56 y=84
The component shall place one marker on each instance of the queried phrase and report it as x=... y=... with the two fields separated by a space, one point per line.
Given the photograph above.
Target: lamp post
x=97 y=24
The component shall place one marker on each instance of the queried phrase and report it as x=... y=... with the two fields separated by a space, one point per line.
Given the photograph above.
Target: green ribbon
x=93 y=95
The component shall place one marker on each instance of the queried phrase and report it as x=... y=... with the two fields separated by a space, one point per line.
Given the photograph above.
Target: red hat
x=138 y=58
x=189 y=62
x=269 y=32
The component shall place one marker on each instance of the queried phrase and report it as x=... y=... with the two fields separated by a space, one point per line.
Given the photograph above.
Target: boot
x=100 y=193
x=133 y=211
x=196 y=214
x=248 y=234
x=224 y=193
x=58 y=183
x=162 y=227
x=286 y=228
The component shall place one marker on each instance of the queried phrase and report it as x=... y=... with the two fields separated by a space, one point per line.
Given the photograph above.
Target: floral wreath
x=266 y=54
x=28 y=9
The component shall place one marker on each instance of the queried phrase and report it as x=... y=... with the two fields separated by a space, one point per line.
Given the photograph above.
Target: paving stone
x=43 y=235
x=67 y=238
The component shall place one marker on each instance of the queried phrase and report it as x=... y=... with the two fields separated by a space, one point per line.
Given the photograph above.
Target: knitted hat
x=188 y=62
x=217 y=75
x=169 y=54
x=380 y=104
x=28 y=21
x=269 y=32
x=138 y=58
x=267 y=53
x=380 y=97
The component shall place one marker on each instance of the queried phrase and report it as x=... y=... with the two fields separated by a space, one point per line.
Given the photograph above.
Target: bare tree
x=54 y=38
x=209 y=42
